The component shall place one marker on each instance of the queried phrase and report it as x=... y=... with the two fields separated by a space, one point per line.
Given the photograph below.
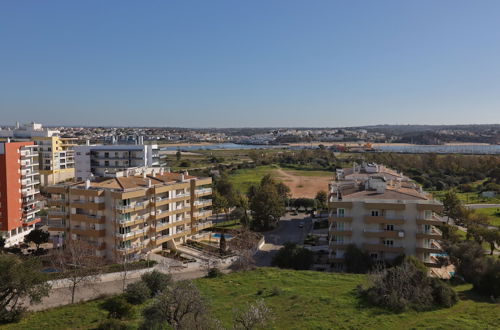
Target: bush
x=356 y=260
x=156 y=281
x=112 y=324
x=443 y=294
x=214 y=272
x=117 y=307
x=294 y=257
x=407 y=287
x=137 y=293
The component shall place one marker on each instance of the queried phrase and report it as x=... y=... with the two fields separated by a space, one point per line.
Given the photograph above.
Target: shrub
x=407 y=287
x=112 y=324
x=356 y=260
x=156 y=281
x=137 y=293
x=117 y=307
x=443 y=294
x=214 y=272
x=294 y=257
x=275 y=291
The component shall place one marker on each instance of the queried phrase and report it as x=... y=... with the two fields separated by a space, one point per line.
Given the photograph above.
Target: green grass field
x=305 y=300
x=493 y=213
x=244 y=178
x=468 y=198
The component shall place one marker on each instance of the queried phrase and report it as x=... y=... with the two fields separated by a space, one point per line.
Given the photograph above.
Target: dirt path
x=302 y=185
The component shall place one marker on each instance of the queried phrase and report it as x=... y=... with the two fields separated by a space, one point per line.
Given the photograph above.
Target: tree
x=244 y=245
x=219 y=203
x=321 y=197
x=137 y=293
x=492 y=236
x=293 y=256
x=241 y=202
x=38 y=237
x=266 y=204
x=20 y=282
x=117 y=307
x=222 y=243
x=452 y=206
x=156 y=282
x=2 y=243
x=178 y=155
x=181 y=306
x=255 y=316
x=356 y=260
x=79 y=264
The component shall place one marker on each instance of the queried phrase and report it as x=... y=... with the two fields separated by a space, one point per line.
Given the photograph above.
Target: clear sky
x=214 y=63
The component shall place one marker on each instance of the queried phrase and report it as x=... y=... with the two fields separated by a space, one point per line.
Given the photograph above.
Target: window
x=427 y=214
x=124 y=230
x=388 y=242
x=106 y=155
x=340 y=213
x=106 y=163
x=389 y=227
x=374 y=256
x=375 y=213
x=340 y=226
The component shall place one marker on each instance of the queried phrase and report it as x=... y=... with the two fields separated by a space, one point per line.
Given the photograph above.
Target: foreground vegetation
x=298 y=300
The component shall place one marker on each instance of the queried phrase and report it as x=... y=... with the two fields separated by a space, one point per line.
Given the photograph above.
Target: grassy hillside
x=305 y=300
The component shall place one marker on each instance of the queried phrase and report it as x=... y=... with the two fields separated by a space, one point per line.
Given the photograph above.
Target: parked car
x=301 y=224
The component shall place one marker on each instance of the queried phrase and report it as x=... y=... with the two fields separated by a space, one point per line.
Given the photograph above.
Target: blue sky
x=250 y=63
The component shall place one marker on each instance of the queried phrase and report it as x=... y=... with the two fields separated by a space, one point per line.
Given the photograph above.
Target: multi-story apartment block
x=56 y=155
x=131 y=215
x=19 y=194
x=106 y=160
x=57 y=159
x=382 y=212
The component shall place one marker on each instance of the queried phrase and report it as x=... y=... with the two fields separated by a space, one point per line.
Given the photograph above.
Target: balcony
x=204 y=225
x=339 y=218
x=90 y=218
x=133 y=234
x=203 y=192
x=434 y=220
x=340 y=232
x=202 y=203
x=383 y=219
x=382 y=233
x=88 y=232
x=383 y=248
x=433 y=247
x=201 y=215
x=339 y=245
x=432 y=233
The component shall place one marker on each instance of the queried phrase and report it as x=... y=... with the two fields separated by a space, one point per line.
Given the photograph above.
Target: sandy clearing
x=301 y=185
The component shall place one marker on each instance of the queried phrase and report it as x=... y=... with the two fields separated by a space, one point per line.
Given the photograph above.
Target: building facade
x=384 y=213
x=19 y=190
x=106 y=160
x=57 y=159
x=56 y=155
x=132 y=215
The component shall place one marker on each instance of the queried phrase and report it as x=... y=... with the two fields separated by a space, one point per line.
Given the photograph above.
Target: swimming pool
x=226 y=236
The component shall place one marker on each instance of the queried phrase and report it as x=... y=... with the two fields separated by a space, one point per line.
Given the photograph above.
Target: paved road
x=288 y=231
x=482 y=206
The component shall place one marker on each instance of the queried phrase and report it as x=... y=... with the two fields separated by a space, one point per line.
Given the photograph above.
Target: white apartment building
x=106 y=160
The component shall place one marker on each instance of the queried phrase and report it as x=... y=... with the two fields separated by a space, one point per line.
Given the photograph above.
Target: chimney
x=87 y=142
x=182 y=176
x=149 y=183
x=87 y=184
x=144 y=174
